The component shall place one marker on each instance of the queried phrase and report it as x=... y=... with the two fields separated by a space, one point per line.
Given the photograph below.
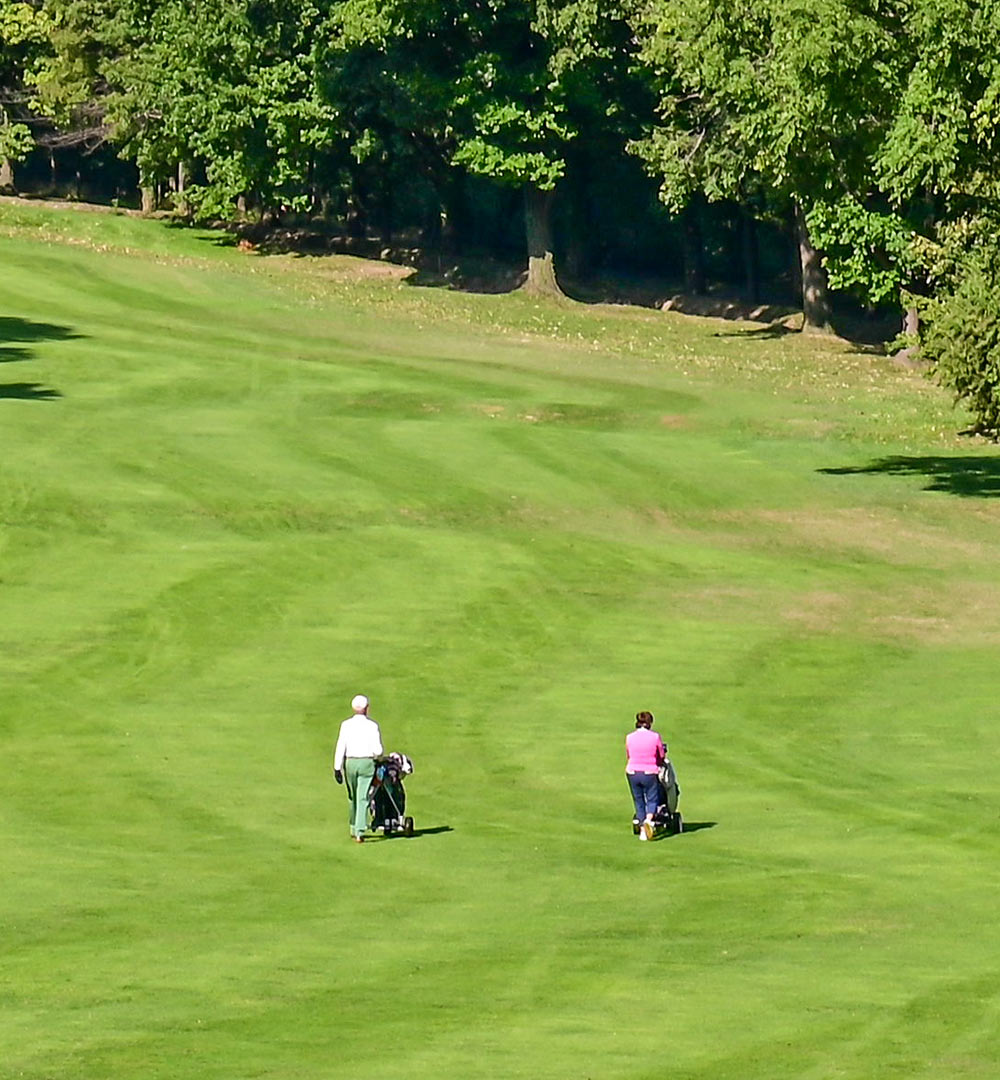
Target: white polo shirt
x=359 y=737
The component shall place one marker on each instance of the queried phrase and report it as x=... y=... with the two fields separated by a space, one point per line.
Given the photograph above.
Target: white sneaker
x=643 y=835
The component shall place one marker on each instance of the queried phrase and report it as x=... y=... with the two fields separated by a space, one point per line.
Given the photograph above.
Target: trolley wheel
x=408 y=826
x=678 y=823
x=635 y=828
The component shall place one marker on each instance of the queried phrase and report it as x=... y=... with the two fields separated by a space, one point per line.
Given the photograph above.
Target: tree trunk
x=180 y=201
x=431 y=232
x=386 y=206
x=909 y=355
x=356 y=218
x=751 y=255
x=574 y=259
x=7 y=176
x=147 y=193
x=694 y=249
x=578 y=256
x=457 y=217
x=815 y=301
x=538 y=232
x=911 y=322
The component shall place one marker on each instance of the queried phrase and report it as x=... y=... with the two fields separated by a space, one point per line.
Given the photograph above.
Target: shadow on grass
x=760 y=333
x=426 y=266
x=13 y=328
x=434 y=831
x=28 y=391
x=867 y=334
x=689 y=827
x=20 y=330
x=967 y=475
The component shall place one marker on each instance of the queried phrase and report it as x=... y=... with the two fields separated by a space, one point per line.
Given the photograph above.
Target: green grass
x=235 y=491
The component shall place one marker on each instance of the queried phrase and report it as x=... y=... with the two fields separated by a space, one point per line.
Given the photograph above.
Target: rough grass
x=234 y=491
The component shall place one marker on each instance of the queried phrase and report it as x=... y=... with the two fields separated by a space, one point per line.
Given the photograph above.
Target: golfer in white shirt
x=358 y=745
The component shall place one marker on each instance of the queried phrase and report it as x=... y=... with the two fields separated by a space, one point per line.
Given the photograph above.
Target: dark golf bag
x=387 y=797
x=667 y=815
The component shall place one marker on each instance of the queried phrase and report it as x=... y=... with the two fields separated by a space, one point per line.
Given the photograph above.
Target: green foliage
x=960 y=325
x=228 y=85
x=444 y=62
x=224 y=87
x=16 y=141
x=941 y=157
x=942 y=140
x=24 y=37
x=879 y=119
x=781 y=97
x=870 y=253
x=516 y=135
x=504 y=88
x=22 y=24
x=69 y=84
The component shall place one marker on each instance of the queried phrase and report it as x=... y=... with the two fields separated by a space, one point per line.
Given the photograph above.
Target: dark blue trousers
x=645 y=789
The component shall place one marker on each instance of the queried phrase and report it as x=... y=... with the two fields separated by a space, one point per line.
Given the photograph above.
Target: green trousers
x=358 y=773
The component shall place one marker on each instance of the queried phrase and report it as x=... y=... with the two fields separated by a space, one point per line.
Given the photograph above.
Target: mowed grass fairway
x=236 y=490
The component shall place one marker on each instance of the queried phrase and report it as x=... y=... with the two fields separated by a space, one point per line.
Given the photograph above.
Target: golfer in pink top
x=645 y=752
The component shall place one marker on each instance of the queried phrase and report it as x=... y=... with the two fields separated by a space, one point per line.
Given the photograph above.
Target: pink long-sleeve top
x=645 y=751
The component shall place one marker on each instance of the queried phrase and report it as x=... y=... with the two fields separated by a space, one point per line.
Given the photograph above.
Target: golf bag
x=667 y=814
x=387 y=796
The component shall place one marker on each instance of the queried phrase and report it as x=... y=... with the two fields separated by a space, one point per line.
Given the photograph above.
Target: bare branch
x=89 y=138
x=697 y=146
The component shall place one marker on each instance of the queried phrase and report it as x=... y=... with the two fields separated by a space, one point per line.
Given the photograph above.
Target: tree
x=24 y=34
x=220 y=93
x=770 y=101
x=504 y=87
x=390 y=93
x=942 y=156
x=960 y=329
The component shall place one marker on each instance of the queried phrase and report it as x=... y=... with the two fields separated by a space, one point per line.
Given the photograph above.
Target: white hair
x=359 y=703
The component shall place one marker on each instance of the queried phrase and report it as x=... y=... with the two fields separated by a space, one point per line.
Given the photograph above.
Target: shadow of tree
x=968 y=475
x=28 y=391
x=771 y=330
x=867 y=334
x=13 y=328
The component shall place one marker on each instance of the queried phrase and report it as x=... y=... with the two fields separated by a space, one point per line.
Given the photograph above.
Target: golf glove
x=338 y=776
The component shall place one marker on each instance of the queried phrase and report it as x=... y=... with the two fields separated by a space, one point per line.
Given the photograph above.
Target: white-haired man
x=358 y=745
